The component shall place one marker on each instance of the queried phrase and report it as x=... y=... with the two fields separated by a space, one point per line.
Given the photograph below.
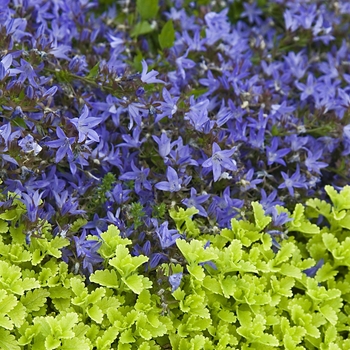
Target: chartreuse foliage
x=238 y=291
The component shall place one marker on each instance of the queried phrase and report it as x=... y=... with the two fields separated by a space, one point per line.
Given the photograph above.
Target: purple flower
x=291 y=20
x=109 y=109
x=164 y=144
x=175 y=280
x=268 y=201
x=224 y=208
x=213 y=84
x=168 y=107
x=220 y=159
x=218 y=26
x=173 y=184
x=32 y=202
x=252 y=12
x=183 y=63
x=311 y=272
x=28 y=145
x=156 y=259
x=195 y=43
x=98 y=225
x=296 y=180
x=274 y=155
x=247 y=181
x=166 y=237
x=88 y=250
x=312 y=163
x=297 y=63
x=133 y=142
x=196 y=201
x=149 y=77
x=84 y=125
x=281 y=109
x=139 y=176
x=27 y=72
x=307 y=89
x=119 y=195
x=279 y=219
x=115 y=42
x=63 y=144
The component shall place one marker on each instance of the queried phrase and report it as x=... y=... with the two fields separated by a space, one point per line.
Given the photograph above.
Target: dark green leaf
x=141 y=28
x=167 y=36
x=94 y=71
x=147 y=8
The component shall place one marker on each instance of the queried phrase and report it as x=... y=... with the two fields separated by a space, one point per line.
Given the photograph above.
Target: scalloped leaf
x=261 y=220
x=34 y=300
x=106 y=278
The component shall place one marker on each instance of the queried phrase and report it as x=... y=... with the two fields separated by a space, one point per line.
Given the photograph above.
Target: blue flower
x=275 y=155
x=296 y=180
x=84 y=125
x=195 y=201
x=32 y=202
x=220 y=159
x=173 y=184
x=63 y=144
x=139 y=176
x=28 y=145
x=168 y=107
x=166 y=237
x=164 y=144
x=312 y=163
x=149 y=77
x=87 y=249
x=311 y=272
x=175 y=280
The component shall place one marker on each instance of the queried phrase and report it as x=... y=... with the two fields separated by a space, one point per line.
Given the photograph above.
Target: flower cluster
x=117 y=122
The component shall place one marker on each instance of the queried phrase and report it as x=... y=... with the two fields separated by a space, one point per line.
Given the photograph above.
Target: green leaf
x=106 y=278
x=147 y=8
x=18 y=121
x=141 y=28
x=67 y=323
x=212 y=284
x=298 y=215
x=125 y=263
x=196 y=271
x=108 y=337
x=284 y=253
x=8 y=341
x=291 y=271
x=137 y=283
x=75 y=344
x=268 y=339
x=94 y=71
x=34 y=300
x=127 y=337
x=3 y=226
x=182 y=217
x=95 y=313
x=329 y=313
x=261 y=220
x=167 y=35
x=51 y=342
x=78 y=224
x=194 y=251
x=110 y=240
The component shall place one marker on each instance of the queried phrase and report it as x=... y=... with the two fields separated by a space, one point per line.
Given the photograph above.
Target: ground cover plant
x=174 y=174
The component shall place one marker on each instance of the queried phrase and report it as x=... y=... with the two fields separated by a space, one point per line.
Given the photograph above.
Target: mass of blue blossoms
x=116 y=112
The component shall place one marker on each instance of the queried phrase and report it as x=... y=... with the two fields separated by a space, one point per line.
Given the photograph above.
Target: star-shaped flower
x=220 y=159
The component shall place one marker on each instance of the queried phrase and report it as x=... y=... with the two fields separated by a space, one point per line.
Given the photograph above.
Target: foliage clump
x=240 y=288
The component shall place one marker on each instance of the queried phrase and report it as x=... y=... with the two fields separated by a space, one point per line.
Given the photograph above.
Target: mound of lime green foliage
x=237 y=291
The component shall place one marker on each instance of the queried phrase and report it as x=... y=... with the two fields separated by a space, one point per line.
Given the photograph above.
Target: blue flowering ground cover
x=174 y=174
